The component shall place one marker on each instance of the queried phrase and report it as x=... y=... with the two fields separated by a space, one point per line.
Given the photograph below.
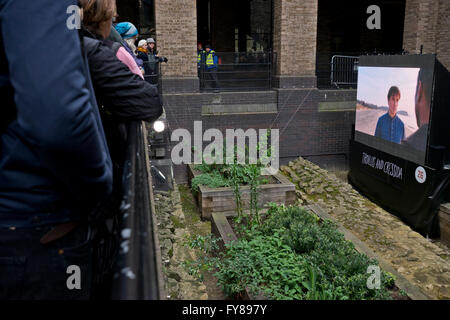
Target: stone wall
x=176 y=36
x=444 y=223
x=294 y=40
x=427 y=23
x=421 y=262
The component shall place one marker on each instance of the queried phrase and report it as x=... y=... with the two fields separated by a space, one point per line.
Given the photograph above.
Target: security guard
x=200 y=63
x=211 y=62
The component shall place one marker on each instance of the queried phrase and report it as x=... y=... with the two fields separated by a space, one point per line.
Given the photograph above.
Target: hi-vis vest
x=199 y=57
x=210 y=58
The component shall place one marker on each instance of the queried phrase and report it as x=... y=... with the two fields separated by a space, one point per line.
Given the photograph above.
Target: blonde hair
x=130 y=42
x=97 y=11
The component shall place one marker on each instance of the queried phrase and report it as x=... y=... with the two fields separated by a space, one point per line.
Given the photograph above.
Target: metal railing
x=152 y=72
x=344 y=70
x=238 y=71
x=340 y=69
x=137 y=271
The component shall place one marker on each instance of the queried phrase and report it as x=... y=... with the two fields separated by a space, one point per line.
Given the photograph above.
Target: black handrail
x=137 y=271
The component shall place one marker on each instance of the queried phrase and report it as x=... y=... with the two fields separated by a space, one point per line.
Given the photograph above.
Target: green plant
x=212 y=180
x=234 y=175
x=339 y=269
x=235 y=181
x=205 y=245
x=262 y=265
x=271 y=260
x=389 y=279
x=254 y=173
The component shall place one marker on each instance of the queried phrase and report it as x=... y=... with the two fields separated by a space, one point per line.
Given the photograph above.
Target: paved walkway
x=422 y=262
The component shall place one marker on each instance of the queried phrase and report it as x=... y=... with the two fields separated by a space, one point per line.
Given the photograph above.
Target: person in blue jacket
x=55 y=166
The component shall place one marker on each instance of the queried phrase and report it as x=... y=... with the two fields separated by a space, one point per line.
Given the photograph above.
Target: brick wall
x=294 y=36
x=176 y=36
x=303 y=129
x=427 y=23
x=443 y=33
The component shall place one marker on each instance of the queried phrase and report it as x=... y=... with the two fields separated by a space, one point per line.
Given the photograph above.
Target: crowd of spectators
x=62 y=138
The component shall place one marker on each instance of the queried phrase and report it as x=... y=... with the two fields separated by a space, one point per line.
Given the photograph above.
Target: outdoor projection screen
x=392 y=111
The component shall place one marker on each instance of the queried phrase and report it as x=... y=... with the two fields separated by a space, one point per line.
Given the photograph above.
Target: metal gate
x=344 y=70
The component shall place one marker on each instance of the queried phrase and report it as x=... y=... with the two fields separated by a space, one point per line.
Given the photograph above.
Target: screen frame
x=399 y=61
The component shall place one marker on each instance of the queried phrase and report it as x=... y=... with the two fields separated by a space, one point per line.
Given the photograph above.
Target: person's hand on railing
x=163 y=59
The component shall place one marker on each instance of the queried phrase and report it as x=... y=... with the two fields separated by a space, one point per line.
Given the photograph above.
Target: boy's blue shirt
x=391 y=129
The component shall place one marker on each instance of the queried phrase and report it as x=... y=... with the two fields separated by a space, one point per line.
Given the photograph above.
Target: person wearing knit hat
x=129 y=33
x=151 y=46
x=142 y=44
x=142 y=53
x=126 y=30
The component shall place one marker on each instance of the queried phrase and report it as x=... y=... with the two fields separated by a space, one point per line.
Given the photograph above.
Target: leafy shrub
x=339 y=267
x=293 y=255
x=212 y=180
x=263 y=264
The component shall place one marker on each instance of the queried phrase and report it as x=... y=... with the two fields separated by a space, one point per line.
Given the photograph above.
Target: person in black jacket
x=122 y=95
x=142 y=53
x=117 y=89
x=154 y=60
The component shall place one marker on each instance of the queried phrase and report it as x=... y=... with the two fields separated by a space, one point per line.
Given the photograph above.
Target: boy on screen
x=389 y=126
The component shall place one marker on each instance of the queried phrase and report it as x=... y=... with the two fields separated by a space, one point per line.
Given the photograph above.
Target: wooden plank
x=223 y=227
x=413 y=291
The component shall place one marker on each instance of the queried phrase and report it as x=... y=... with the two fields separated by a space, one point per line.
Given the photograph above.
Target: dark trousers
x=211 y=78
x=30 y=270
x=201 y=77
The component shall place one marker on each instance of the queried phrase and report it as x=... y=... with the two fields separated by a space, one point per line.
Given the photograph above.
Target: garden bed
x=222 y=227
x=278 y=189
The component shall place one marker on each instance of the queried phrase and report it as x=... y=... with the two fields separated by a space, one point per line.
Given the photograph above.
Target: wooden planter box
x=444 y=223
x=211 y=200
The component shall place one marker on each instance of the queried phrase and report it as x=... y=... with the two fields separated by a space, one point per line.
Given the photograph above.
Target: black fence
x=137 y=273
x=238 y=71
